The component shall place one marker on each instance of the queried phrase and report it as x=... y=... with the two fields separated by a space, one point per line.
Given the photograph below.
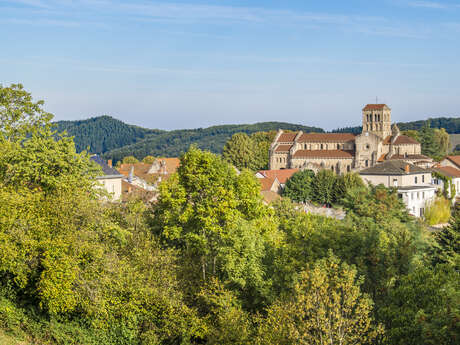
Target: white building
x=413 y=183
x=110 y=179
x=451 y=173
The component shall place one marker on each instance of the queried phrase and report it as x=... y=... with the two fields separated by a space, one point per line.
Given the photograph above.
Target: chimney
x=109 y=163
x=131 y=175
x=407 y=168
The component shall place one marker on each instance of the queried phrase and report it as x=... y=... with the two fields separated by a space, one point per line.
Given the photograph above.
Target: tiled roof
x=287 y=137
x=269 y=196
x=374 y=107
x=393 y=167
x=401 y=140
x=326 y=137
x=282 y=175
x=267 y=183
x=448 y=171
x=283 y=148
x=454 y=159
x=129 y=190
x=106 y=169
x=409 y=157
x=171 y=164
x=323 y=154
x=140 y=170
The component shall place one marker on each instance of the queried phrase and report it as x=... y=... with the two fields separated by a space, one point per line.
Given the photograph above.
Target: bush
x=438 y=211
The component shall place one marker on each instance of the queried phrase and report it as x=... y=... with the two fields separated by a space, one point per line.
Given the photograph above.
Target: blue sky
x=187 y=64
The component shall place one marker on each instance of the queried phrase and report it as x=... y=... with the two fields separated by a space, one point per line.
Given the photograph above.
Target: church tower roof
x=375 y=107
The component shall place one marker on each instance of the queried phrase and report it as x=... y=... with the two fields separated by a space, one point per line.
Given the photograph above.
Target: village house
x=451 y=161
x=345 y=152
x=413 y=183
x=110 y=179
x=272 y=182
x=449 y=173
x=145 y=177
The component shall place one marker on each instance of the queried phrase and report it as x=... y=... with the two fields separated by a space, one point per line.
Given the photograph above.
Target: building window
x=423 y=178
x=348 y=168
x=395 y=182
x=367 y=163
x=321 y=146
x=415 y=179
x=418 y=195
x=400 y=195
x=423 y=195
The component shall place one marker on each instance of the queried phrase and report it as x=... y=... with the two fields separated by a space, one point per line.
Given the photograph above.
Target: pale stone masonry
x=344 y=152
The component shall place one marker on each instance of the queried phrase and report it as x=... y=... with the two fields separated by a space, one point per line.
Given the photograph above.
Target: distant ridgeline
x=103 y=133
x=115 y=139
x=450 y=124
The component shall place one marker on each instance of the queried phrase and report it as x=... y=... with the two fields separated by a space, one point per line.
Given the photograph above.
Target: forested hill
x=103 y=133
x=450 y=124
x=174 y=143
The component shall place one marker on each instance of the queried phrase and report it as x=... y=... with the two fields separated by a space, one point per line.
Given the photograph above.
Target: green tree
x=328 y=308
x=240 y=151
x=204 y=212
x=424 y=308
x=299 y=186
x=346 y=182
x=262 y=141
x=447 y=246
x=148 y=160
x=323 y=187
x=130 y=160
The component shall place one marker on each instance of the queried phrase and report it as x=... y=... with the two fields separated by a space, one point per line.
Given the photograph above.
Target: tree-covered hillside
x=450 y=124
x=116 y=139
x=103 y=133
x=174 y=143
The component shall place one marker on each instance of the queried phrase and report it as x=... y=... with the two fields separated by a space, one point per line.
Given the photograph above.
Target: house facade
x=345 y=152
x=452 y=174
x=413 y=183
x=110 y=179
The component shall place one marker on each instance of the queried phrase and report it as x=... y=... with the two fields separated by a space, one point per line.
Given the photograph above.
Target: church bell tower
x=377 y=120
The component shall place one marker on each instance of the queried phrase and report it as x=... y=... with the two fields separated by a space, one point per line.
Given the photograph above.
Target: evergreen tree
x=447 y=246
x=323 y=187
x=299 y=186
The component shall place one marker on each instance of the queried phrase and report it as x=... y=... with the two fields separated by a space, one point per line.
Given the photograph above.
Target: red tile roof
x=287 y=137
x=448 y=171
x=323 y=154
x=326 y=137
x=267 y=183
x=374 y=107
x=401 y=140
x=282 y=175
x=454 y=159
x=283 y=148
x=140 y=169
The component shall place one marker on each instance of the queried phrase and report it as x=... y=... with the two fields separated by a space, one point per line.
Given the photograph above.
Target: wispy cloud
x=429 y=4
x=192 y=13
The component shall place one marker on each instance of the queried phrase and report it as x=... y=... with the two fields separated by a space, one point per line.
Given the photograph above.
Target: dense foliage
x=174 y=143
x=103 y=133
x=209 y=263
x=249 y=151
x=325 y=187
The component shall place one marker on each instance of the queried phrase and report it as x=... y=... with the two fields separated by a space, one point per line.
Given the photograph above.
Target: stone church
x=343 y=152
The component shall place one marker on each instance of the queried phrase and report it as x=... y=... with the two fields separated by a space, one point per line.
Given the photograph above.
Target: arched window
x=321 y=146
x=367 y=163
x=332 y=168
x=338 y=146
x=348 y=168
